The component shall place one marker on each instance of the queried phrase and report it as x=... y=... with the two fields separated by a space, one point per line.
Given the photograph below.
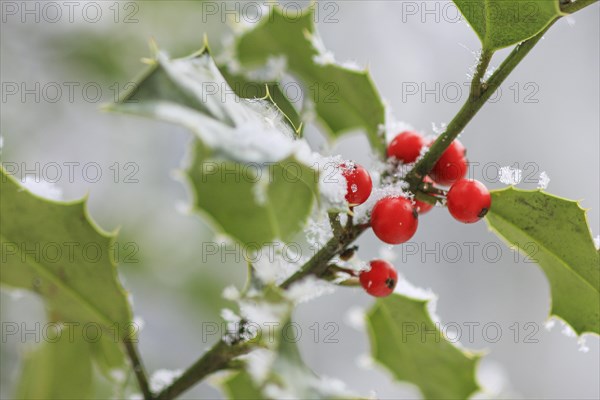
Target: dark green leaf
x=554 y=232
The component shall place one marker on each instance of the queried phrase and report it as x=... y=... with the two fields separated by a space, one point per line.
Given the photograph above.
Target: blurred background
x=544 y=119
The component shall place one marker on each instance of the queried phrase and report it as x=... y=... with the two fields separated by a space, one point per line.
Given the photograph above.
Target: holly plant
x=293 y=189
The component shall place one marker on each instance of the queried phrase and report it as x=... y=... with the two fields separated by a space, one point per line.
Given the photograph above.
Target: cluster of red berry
x=395 y=219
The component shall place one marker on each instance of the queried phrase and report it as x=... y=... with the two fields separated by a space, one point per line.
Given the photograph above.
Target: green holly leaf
x=246 y=174
x=55 y=250
x=240 y=386
x=406 y=341
x=255 y=89
x=57 y=370
x=254 y=205
x=502 y=23
x=345 y=98
x=554 y=232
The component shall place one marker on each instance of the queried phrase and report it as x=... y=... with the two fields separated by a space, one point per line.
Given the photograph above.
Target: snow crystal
x=231 y=293
x=139 y=322
x=550 y=324
x=254 y=131
x=276 y=261
x=42 y=188
x=582 y=345
x=309 y=113
x=332 y=183
x=260 y=188
x=356 y=317
x=386 y=252
x=118 y=375
x=277 y=392
x=15 y=294
x=308 y=289
x=323 y=56
x=392 y=126
x=543 y=181
x=352 y=65
x=318 y=231
x=438 y=130
x=162 y=378
x=263 y=313
x=259 y=364
x=407 y=289
x=232 y=319
x=272 y=71
x=365 y=361
x=493 y=378
x=332 y=388
x=183 y=207
x=568 y=330
x=510 y=175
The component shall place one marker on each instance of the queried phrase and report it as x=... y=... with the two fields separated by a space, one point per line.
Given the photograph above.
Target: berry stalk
x=473 y=104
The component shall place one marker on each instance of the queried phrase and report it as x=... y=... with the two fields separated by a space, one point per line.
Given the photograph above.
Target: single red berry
x=406 y=146
x=421 y=206
x=380 y=280
x=394 y=220
x=451 y=166
x=359 y=184
x=468 y=200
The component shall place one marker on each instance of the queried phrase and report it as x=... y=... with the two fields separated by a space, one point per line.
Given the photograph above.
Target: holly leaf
x=59 y=369
x=240 y=386
x=554 y=232
x=345 y=97
x=256 y=89
x=55 y=250
x=406 y=341
x=247 y=176
x=502 y=23
x=254 y=205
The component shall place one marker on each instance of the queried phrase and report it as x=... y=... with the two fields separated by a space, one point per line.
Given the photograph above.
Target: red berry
x=394 y=220
x=359 y=184
x=468 y=201
x=380 y=280
x=406 y=146
x=451 y=166
x=421 y=206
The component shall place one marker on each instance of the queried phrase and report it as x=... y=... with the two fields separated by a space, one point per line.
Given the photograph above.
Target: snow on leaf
x=42 y=188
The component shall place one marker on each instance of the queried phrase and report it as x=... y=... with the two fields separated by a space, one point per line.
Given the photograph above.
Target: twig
x=138 y=368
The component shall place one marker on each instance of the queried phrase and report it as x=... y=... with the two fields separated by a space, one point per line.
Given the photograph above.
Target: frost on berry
x=362 y=213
